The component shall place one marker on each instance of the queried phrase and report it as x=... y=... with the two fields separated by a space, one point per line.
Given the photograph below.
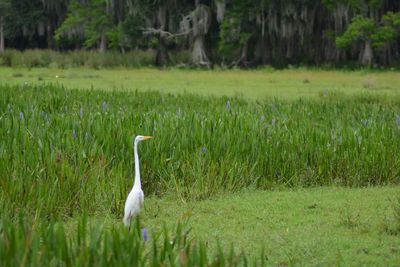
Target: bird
x=134 y=201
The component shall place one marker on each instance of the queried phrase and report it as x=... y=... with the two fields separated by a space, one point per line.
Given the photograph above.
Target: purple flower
x=203 y=150
x=365 y=122
x=398 y=119
x=228 y=104
x=273 y=121
x=73 y=134
x=145 y=234
x=104 y=105
x=21 y=115
x=81 y=112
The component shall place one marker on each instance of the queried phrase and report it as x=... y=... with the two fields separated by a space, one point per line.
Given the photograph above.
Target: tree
x=55 y=12
x=91 y=20
x=373 y=36
x=196 y=25
x=4 y=9
x=160 y=13
x=235 y=32
x=360 y=29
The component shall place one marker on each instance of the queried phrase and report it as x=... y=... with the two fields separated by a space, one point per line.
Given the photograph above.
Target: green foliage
x=383 y=35
x=23 y=244
x=392 y=19
x=360 y=29
x=58 y=146
x=90 y=16
x=22 y=16
x=235 y=30
x=131 y=30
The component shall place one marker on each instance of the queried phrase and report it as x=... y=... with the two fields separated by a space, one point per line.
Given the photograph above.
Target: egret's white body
x=135 y=199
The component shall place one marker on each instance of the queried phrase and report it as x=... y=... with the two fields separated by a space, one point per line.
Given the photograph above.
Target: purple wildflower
x=273 y=121
x=21 y=115
x=104 y=105
x=228 y=104
x=145 y=234
x=203 y=149
x=73 y=134
x=81 y=112
x=365 y=122
x=398 y=119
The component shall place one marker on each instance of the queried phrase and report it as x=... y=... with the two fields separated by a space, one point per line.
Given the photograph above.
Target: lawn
x=254 y=84
x=318 y=226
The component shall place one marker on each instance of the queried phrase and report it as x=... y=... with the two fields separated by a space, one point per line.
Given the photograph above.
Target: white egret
x=134 y=202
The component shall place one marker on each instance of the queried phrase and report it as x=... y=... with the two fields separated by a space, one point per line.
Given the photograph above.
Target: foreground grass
x=301 y=227
x=256 y=84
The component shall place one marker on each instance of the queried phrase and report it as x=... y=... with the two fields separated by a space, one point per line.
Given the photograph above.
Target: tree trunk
x=1 y=34
x=103 y=44
x=243 y=60
x=199 y=56
x=162 y=57
x=367 y=54
x=50 y=39
x=162 y=53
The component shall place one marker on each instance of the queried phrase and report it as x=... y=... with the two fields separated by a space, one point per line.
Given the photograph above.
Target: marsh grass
x=63 y=150
x=23 y=244
x=33 y=58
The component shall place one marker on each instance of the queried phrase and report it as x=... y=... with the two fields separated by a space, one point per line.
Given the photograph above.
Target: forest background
x=227 y=33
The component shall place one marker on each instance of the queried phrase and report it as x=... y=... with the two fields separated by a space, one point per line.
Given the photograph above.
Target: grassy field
x=256 y=84
x=313 y=227
x=318 y=226
x=310 y=181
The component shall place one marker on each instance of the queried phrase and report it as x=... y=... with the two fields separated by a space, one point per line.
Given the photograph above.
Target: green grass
x=305 y=227
x=319 y=226
x=256 y=84
x=66 y=154
x=63 y=149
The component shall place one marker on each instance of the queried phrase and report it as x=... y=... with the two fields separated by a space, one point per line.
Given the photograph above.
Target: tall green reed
x=63 y=152
x=89 y=244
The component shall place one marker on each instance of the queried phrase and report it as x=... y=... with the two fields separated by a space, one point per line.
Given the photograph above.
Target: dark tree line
x=228 y=32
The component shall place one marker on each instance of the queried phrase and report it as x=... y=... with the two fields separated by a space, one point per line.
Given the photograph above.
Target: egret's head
x=142 y=137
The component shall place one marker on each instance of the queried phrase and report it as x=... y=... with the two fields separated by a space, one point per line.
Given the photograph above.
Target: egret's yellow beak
x=147 y=137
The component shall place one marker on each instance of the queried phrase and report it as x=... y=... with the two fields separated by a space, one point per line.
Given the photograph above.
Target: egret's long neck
x=137 y=183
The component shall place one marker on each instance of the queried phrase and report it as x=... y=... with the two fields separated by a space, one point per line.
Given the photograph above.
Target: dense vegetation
x=24 y=244
x=64 y=152
x=67 y=154
x=226 y=32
